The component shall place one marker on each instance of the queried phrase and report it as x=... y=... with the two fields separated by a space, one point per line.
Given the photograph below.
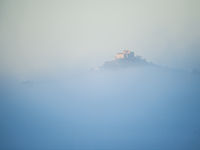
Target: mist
x=44 y=35
x=140 y=108
x=63 y=88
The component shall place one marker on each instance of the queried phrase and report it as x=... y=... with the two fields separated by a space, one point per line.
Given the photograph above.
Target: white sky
x=41 y=35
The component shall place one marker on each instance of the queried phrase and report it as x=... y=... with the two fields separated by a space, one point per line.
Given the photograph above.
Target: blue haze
x=144 y=108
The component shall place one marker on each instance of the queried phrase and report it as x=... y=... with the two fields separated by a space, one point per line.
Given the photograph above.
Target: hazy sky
x=41 y=35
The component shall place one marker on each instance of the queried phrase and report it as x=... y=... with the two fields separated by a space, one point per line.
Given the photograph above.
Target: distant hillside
x=125 y=59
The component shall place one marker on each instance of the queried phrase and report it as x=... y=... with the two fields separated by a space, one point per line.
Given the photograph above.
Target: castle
x=124 y=59
x=125 y=54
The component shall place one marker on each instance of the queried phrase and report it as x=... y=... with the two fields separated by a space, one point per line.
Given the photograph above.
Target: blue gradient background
x=50 y=101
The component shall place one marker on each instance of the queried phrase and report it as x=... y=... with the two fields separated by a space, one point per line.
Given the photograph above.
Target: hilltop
x=125 y=59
